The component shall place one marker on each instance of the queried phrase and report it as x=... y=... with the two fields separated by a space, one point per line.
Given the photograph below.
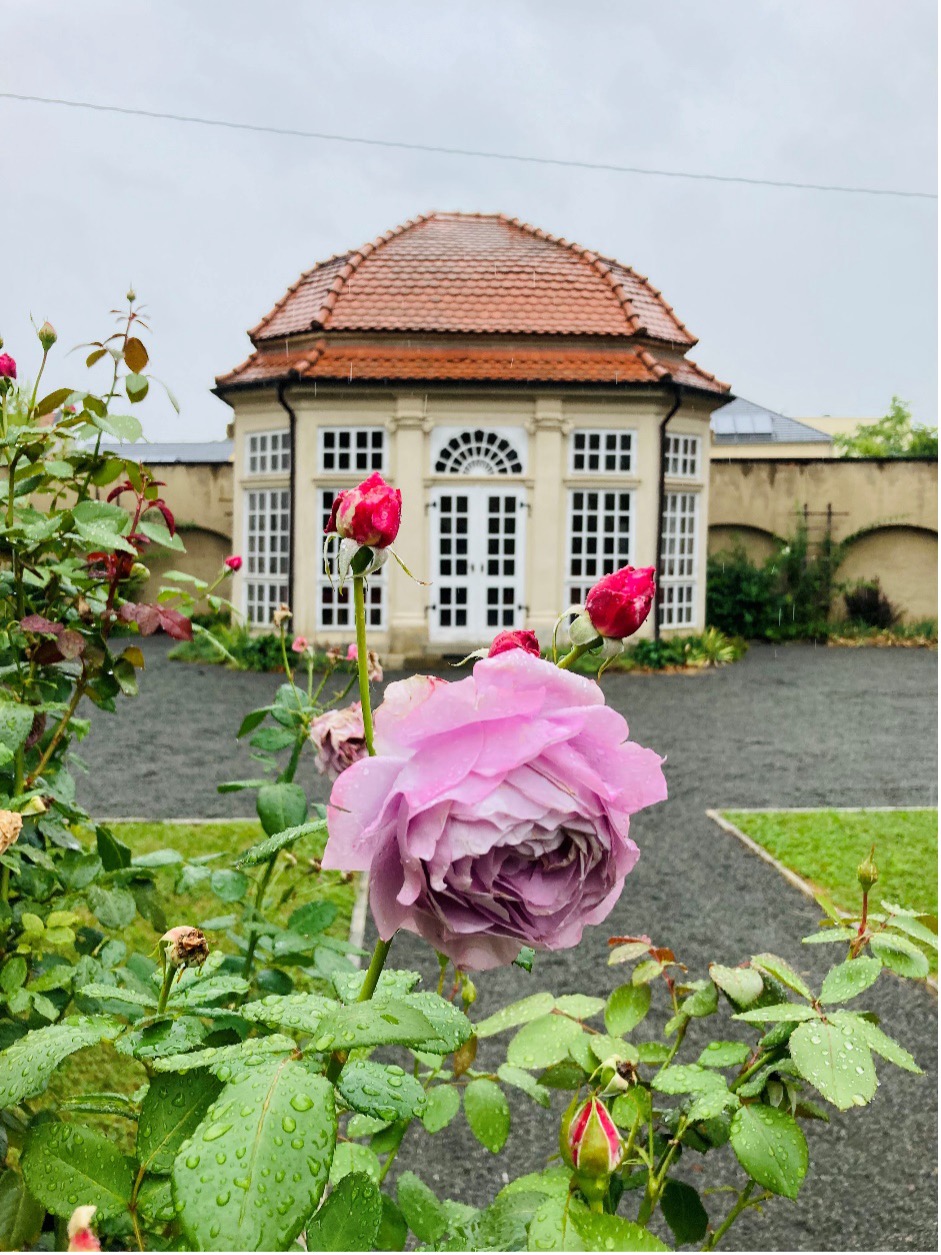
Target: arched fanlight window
x=478 y=452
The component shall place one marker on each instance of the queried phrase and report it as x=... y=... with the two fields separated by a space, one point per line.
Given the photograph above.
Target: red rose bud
x=47 y=335
x=514 y=640
x=234 y=563
x=591 y=1144
x=80 y=1233
x=369 y=514
x=619 y=603
x=7 y=366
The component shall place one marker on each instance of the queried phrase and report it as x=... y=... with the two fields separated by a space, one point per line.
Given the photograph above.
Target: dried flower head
x=281 y=615
x=186 y=947
x=11 y=825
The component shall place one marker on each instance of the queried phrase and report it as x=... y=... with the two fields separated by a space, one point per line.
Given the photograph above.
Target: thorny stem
x=168 y=975
x=57 y=736
x=742 y=1202
x=373 y=972
x=860 y=939
x=362 y=662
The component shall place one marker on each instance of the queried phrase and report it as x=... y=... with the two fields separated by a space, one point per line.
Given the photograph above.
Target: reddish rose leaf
x=39 y=623
x=71 y=644
x=175 y=624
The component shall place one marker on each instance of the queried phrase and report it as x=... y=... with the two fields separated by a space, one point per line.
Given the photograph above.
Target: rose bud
x=80 y=1234
x=234 y=562
x=369 y=514
x=7 y=366
x=591 y=1144
x=185 y=946
x=868 y=873
x=373 y=665
x=11 y=825
x=619 y=603
x=47 y=335
x=515 y=640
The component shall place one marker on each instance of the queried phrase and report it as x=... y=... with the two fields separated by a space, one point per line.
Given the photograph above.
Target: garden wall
x=200 y=496
x=893 y=502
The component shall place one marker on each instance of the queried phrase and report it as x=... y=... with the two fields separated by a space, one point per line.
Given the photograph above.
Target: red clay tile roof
x=463 y=273
x=481 y=363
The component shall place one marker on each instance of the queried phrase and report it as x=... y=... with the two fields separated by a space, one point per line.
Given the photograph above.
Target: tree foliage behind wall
x=894 y=436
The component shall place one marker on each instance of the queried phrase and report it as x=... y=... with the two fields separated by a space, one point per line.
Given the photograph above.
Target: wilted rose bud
x=47 y=335
x=185 y=946
x=333 y=655
x=867 y=873
x=7 y=366
x=80 y=1233
x=281 y=615
x=373 y=665
x=11 y=825
x=619 y=603
x=234 y=562
x=370 y=514
x=591 y=1144
x=504 y=641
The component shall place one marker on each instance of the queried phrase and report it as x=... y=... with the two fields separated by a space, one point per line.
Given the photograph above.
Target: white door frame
x=476 y=574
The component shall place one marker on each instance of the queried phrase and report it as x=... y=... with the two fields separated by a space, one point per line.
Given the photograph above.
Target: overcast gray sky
x=807 y=302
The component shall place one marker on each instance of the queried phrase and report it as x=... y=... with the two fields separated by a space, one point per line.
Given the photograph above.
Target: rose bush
x=497 y=813
x=268 y=1109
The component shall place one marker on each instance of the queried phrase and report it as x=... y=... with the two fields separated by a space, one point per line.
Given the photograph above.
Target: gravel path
x=794 y=726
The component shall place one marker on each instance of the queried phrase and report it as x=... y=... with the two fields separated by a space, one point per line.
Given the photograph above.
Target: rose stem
x=359 y=603
x=572 y=657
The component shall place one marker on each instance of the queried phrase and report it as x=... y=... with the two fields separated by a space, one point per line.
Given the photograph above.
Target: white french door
x=478 y=555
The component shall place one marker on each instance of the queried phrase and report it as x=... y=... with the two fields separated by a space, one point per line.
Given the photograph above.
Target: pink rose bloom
x=340 y=739
x=514 y=640
x=370 y=513
x=300 y=644
x=619 y=603
x=7 y=366
x=497 y=812
x=373 y=665
x=234 y=562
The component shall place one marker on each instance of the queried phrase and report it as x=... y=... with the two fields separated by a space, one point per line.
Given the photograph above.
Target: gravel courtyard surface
x=787 y=726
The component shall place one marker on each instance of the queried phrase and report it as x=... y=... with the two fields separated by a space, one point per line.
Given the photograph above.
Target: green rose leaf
x=783 y=972
x=683 y=1211
x=780 y=1011
x=543 y=1042
x=349 y=1220
x=452 y=1027
x=173 y=1106
x=381 y=1090
x=626 y=1007
x=217 y=1056
x=579 y=1006
x=600 y=1232
x=686 y=1078
x=16 y=721
x=63 y=1162
x=423 y=1211
x=877 y=1041
x=267 y=849
x=442 y=1103
x=352 y=1157
x=742 y=985
x=281 y=806
x=392 y=1022
x=835 y=1059
x=488 y=1114
x=771 y=1148
x=313 y=918
x=901 y=955
x=27 y=1066
x=849 y=979
x=277 y=1116
x=724 y=1054
x=21 y=1216
x=521 y=1079
x=115 y=908
x=517 y=1013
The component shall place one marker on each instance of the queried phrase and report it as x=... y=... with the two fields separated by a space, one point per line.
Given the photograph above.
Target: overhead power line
x=295 y=133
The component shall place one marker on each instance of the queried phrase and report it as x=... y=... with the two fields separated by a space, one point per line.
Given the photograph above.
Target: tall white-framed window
x=267 y=552
x=678 y=548
x=600 y=537
x=268 y=452
x=682 y=456
x=335 y=608
x=602 y=452
x=352 y=450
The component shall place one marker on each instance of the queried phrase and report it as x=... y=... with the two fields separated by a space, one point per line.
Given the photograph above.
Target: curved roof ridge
x=356 y=259
x=307 y=274
x=597 y=263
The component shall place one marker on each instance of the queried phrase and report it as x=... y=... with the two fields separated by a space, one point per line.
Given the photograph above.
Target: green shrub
x=867 y=604
x=741 y=597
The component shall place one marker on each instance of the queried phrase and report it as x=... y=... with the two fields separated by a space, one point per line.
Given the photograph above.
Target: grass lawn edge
x=804 y=886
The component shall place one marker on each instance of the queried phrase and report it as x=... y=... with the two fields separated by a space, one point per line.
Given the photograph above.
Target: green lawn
x=827 y=846
x=100 y=1068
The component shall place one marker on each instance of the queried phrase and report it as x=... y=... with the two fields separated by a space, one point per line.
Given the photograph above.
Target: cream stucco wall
x=890 y=507
x=541 y=422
